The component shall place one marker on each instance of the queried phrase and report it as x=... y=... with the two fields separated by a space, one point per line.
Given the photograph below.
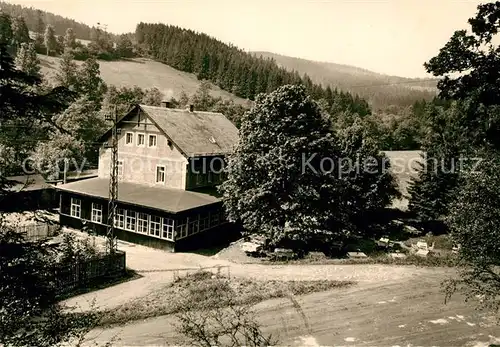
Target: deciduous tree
x=474 y=222
x=67 y=73
x=470 y=66
x=124 y=47
x=89 y=81
x=49 y=39
x=27 y=61
x=152 y=97
x=272 y=188
x=70 y=39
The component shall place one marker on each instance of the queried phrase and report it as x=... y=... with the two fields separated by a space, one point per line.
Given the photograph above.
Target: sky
x=393 y=37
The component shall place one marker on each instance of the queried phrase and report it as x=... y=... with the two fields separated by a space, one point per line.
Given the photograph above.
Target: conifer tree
x=444 y=145
x=5 y=29
x=20 y=32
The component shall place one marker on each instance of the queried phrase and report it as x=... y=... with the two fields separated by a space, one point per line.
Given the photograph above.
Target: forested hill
x=381 y=90
x=230 y=68
x=36 y=20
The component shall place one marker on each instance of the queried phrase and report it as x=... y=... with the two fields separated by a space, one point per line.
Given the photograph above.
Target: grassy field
x=168 y=299
x=143 y=73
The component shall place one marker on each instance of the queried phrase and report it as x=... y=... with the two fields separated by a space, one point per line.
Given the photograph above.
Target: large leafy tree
x=283 y=180
x=469 y=64
x=474 y=223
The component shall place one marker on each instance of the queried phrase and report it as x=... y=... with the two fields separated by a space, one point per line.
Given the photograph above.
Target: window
x=119 y=164
x=214 y=219
x=140 y=139
x=181 y=229
x=119 y=218
x=76 y=208
x=142 y=223
x=193 y=226
x=160 y=174
x=130 y=221
x=168 y=229
x=152 y=141
x=154 y=226
x=129 y=138
x=96 y=213
x=204 y=222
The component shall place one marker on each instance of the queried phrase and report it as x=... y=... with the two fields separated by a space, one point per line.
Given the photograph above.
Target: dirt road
x=397 y=313
x=390 y=305
x=154 y=265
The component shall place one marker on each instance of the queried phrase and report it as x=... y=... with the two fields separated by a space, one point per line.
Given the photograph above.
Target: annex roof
x=160 y=198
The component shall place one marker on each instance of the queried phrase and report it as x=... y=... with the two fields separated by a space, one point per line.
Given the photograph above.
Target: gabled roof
x=193 y=133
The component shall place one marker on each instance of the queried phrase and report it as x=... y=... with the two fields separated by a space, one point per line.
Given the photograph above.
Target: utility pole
x=65 y=175
x=113 y=183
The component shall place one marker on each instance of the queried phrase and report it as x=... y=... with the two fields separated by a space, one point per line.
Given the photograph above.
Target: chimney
x=191 y=108
x=165 y=104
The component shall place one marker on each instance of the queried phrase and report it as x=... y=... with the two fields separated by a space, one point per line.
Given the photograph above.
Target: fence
x=83 y=273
